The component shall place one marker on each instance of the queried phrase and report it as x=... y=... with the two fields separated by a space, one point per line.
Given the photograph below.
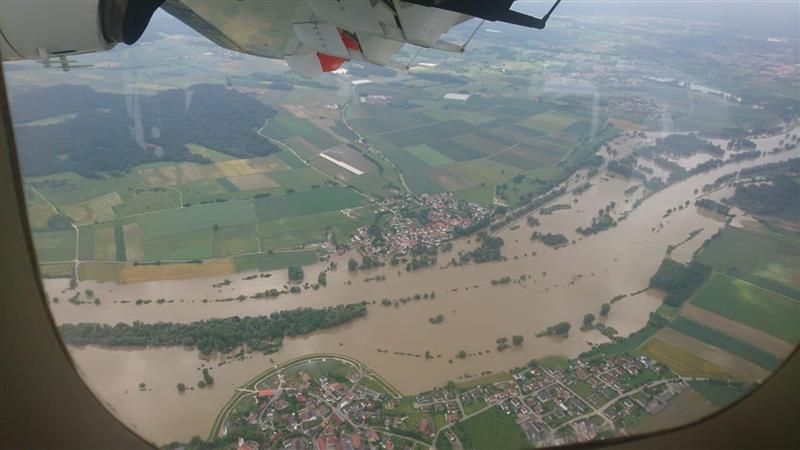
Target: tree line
x=260 y=333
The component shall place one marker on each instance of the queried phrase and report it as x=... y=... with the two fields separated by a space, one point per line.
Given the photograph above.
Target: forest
x=117 y=132
x=679 y=281
x=259 y=333
x=767 y=198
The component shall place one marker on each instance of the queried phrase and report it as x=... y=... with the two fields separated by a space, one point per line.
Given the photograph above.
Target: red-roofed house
x=266 y=393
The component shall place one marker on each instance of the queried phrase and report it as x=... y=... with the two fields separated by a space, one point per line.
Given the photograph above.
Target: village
x=336 y=403
x=410 y=222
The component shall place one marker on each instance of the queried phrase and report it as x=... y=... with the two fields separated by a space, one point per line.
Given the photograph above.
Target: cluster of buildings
x=577 y=402
x=409 y=222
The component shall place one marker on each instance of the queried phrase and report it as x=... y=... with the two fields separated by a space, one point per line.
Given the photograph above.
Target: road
x=76 y=261
x=373 y=149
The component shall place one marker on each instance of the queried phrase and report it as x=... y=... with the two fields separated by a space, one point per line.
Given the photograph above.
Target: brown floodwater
x=561 y=285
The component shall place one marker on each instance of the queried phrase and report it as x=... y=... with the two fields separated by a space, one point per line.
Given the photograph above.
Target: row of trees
x=261 y=333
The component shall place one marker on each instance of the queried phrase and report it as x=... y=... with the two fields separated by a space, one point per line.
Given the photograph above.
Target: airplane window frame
x=9 y=162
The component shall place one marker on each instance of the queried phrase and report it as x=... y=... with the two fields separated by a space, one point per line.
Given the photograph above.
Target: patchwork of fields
x=191 y=212
x=470 y=148
x=742 y=322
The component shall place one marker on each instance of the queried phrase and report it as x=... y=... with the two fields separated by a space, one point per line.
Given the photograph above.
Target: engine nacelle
x=39 y=29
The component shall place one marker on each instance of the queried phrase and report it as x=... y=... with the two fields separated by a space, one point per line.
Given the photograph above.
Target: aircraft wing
x=316 y=36
x=313 y=36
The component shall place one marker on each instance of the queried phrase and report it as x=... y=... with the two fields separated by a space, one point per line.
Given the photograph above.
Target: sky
x=762 y=17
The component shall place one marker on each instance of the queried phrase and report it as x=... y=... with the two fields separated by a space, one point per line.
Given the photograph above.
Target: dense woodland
x=679 y=281
x=117 y=132
x=781 y=192
x=260 y=333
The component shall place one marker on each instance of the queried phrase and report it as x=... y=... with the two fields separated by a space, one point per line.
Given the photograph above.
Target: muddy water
x=561 y=285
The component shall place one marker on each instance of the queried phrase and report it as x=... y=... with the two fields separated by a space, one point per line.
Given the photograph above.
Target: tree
x=517 y=340
x=588 y=319
x=461 y=354
x=207 y=378
x=501 y=340
x=295 y=273
x=352 y=265
x=89 y=293
x=142 y=385
x=605 y=308
x=181 y=387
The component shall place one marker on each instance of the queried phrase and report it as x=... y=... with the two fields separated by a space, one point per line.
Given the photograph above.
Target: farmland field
x=177 y=221
x=430 y=155
x=729 y=344
x=152 y=272
x=275 y=261
x=57 y=270
x=54 y=245
x=237 y=240
x=99 y=209
x=491 y=430
x=752 y=306
x=754 y=257
x=99 y=271
x=211 y=155
x=739 y=330
x=38 y=214
x=197 y=244
x=305 y=203
x=735 y=365
x=681 y=362
x=428 y=133
x=298 y=179
x=687 y=407
x=297 y=231
x=720 y=394
x=282 y=128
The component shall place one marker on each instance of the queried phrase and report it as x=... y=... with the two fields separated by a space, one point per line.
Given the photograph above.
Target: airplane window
x=354 y=225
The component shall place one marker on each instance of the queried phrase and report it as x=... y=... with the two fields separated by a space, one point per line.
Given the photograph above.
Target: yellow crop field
x=141 y=273
x=98 y=209
x=235 y=167
x=681 y=362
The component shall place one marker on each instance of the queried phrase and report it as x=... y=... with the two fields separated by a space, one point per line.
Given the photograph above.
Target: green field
x=491 y=430
x=294 y=232
x=305 y=203
x=57 y=270
x=236 y=240
x=429 y=155
x=54 y=245
x=282 y=128
x=751 y=305
x=756 y=258
x=199 y=217
x=299 y=179
x=727 y=343
x=197 y=244
x=279 y=260
x=720 y=394
x=428 y=133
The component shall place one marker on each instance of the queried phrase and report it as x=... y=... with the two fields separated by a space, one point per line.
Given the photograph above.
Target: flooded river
x=560 y=285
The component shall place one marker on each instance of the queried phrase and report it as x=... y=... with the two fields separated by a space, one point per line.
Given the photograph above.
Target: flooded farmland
x=560 y=284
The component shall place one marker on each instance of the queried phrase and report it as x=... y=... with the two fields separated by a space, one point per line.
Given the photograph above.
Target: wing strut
x=464 y=47
x=493 y=10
